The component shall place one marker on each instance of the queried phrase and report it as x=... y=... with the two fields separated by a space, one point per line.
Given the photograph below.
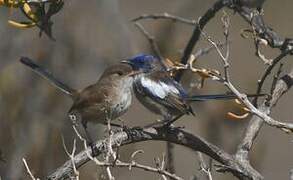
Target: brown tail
x=48 y=76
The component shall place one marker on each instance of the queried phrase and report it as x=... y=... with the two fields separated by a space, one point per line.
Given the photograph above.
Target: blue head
x=144 y=62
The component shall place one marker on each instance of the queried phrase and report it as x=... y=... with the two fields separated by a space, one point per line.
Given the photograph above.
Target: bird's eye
x=120 y=73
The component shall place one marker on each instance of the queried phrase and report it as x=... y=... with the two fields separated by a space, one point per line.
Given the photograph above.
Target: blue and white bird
x=160 y=93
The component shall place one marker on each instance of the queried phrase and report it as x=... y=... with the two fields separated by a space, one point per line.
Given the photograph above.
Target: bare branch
x=204 y=167
x=174 y=135
x=71 y=156
x=287 y=127
x=256 y=122
x=208 y=15
x=264 y=31
x=110 y=153
x=151 y=40
x=268 y=72
x=28 y=170
x=165 y=16
x=136 y=165
x=117 y=163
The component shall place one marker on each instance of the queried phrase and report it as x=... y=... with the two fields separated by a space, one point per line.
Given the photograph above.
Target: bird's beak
x=135 y=72
x=126 y=61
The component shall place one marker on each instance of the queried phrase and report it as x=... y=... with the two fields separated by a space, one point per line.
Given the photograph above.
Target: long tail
x=48 y=76
x=218 y=97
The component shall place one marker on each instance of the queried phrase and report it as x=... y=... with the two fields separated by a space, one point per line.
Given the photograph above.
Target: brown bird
x=107 y=99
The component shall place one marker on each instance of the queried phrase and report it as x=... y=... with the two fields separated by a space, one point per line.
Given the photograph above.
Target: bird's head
x=120 y=71
x=143 y=62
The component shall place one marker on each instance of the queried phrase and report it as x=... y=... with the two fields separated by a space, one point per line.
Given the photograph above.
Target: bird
x=160 y=93
x=107 y=99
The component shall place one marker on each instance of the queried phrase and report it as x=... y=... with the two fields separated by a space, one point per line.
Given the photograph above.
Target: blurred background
x=90 y=35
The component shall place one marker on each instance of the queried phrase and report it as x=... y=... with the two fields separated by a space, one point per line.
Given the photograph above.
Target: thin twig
x=208 y=15
x=268 y=72
x=165 y=16
x=151 y=40
x=264 y=31
x=28 y=170
x=136 y=165
x=204 y=167
x=256 y=123
x=110 y=152
x=276 y=78
x=287 y=127
x=174 y=135
x=202 y=52
x=71 y=156
x=129 y=165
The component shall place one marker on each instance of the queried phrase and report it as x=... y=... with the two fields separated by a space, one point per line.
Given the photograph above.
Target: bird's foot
x=168 y=124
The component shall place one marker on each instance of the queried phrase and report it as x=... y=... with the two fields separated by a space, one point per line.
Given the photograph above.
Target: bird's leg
x=154 y=124
x=169 y=122
x=89 y=139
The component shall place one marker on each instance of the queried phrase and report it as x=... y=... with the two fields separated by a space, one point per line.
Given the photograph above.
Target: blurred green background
x=96 y=33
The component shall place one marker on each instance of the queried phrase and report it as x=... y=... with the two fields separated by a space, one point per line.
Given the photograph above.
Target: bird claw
x=167 y=124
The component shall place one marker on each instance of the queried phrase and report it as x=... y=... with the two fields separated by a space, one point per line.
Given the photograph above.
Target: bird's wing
x=162 y=89
x=93 y=95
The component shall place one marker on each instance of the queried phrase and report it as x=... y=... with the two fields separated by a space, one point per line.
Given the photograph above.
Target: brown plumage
x=107 y=99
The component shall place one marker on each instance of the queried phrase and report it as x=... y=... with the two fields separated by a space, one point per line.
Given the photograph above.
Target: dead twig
x=151 y=40
x=71 y=156
x=28 y=170
x=165 y=16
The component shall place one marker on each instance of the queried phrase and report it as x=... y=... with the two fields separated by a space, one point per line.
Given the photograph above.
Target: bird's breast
x=122 y=103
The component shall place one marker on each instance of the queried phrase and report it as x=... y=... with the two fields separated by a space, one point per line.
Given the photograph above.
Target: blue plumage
x=145 y=62
x=156 y=90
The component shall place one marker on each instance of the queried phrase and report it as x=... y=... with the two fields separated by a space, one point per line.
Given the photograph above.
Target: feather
x=218 y=97
x=163 y=90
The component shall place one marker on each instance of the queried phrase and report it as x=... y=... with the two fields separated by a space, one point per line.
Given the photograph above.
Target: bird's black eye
x=120 y=73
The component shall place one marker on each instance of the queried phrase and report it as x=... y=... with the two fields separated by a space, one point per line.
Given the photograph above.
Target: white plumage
x=160 y=89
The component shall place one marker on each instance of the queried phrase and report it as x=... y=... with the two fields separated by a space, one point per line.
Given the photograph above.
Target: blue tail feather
x=218 y=97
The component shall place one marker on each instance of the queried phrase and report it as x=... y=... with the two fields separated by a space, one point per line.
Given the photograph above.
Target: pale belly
x=122 y=105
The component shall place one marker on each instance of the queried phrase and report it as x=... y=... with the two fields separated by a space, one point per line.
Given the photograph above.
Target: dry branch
x=174 y=135
x=256 y=122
